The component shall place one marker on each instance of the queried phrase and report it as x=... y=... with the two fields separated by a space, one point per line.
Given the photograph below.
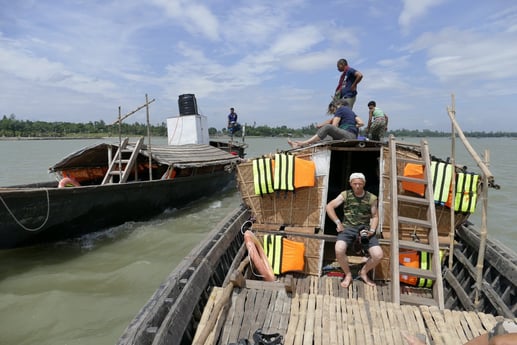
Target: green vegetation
x=11 y=127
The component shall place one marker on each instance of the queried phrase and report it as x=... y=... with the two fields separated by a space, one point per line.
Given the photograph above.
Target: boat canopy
x=180 y=156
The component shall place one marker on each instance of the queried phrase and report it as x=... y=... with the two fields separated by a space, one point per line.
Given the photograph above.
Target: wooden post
x=488 y=180
x=453 y=184
x=149 y=139
x=482 y=238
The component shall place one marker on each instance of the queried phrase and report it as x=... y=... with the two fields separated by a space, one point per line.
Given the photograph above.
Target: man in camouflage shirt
x=360 y=220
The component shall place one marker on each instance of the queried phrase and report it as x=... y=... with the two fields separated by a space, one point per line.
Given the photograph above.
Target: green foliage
x=10 y=127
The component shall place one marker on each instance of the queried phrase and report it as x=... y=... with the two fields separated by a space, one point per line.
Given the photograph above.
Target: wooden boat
x=215 y=296
x=112 y=183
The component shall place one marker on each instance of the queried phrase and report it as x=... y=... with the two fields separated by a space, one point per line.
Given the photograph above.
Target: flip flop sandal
x=267 y=339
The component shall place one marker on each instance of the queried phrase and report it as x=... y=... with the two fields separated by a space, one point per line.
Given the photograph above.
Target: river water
x=86 y=291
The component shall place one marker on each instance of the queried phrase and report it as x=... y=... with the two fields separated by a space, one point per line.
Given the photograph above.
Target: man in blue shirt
x=347 y=86
x=233 y=125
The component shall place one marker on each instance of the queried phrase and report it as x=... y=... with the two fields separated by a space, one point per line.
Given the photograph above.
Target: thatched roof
x=181 y=156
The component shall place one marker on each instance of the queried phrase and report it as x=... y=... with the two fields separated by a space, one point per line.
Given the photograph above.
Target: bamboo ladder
x=121 y=164
x=432 y=247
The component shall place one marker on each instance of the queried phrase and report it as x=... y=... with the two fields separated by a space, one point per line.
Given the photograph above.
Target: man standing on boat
x=347 y=86
x=359 y=222
x=377 y=122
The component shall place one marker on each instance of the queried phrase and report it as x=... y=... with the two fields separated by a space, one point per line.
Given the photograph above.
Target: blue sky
x=274 y=61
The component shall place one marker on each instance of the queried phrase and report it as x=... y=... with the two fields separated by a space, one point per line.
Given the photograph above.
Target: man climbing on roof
x=359 y=222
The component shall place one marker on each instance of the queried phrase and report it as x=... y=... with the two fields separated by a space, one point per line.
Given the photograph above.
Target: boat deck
x=320 y=311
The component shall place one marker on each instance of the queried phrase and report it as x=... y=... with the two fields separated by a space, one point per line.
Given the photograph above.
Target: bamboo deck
x=319 y=311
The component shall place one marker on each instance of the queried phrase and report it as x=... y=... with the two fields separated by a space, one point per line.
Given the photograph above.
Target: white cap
x=357 y=175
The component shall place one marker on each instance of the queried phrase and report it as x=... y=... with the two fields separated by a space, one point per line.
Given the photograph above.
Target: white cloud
x=414 y=10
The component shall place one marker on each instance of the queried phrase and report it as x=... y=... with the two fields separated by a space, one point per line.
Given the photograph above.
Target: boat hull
x=38 y=215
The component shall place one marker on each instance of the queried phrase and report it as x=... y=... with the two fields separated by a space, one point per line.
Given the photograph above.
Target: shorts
x=349 y=235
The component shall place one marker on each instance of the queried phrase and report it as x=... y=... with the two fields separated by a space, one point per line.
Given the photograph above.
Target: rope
x=19 y=223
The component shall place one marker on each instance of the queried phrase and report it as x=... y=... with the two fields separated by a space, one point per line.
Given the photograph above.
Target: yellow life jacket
x=262 y=176
x=466 y=192
x=284 y=172
x=284 y=255
x=442 y=177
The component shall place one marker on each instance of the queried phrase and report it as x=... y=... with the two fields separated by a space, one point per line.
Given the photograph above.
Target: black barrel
x=187 y=104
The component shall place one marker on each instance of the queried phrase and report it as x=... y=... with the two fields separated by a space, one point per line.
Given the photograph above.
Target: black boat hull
x=37 y=215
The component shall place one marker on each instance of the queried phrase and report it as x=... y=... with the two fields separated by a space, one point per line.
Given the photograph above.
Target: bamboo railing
x=488 y=181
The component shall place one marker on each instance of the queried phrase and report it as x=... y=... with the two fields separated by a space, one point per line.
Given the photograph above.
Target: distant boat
x=110 y=183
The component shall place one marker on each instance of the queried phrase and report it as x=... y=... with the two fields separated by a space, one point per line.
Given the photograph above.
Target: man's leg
x=376 y=255
x=350 y=101
x=342 y=259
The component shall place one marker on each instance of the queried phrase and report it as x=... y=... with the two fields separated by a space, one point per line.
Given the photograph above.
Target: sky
x=273 y=61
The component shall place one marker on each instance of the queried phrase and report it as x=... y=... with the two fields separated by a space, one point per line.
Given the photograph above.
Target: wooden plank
x=365 y=321
x=286 y=310
x=429 y=321
x=351 y=321
x=386 y=324
x=318 y=320
x=474 y=323
x=339 y=319
x=301 y=321
x=449 y=337
x=293 y=321
x=263 y=285
x=309 y=320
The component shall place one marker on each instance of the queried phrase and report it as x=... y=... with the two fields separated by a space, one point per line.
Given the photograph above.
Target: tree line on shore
x=11 y=127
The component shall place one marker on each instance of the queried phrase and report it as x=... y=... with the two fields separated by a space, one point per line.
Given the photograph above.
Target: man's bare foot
x=365 y=278
x=346 y=282
x=294 y=144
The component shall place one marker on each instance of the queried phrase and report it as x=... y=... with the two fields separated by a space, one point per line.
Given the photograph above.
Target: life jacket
x=284 y=255
x=442 y=177
x=414 y=171
x=420 y=260
x=284 y=172
x=262 y=176
x=466 y=192
x=304 y=173
x=441 y=174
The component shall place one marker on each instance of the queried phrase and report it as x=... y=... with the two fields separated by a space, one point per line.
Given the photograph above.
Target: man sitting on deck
x=360 y=220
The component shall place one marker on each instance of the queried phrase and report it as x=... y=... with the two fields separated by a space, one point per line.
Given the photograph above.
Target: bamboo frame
x=488 y=179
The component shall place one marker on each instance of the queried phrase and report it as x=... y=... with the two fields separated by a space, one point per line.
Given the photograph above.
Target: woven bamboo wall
x=303 y=207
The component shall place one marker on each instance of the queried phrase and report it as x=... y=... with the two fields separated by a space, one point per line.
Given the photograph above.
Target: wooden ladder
x=121 y=164
x=434 y=271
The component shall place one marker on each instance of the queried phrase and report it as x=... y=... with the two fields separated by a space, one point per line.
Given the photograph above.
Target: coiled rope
x=23 y=226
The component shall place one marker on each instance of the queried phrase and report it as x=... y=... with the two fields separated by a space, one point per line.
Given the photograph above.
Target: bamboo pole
x=149 y=138
x=469 y=148
x=453 y=184
x=202 y=334
x=483 y=238
x=488 y=180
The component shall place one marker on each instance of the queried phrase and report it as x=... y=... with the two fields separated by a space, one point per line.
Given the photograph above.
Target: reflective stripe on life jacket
x=284 y=172
x=442 y=177
x=262 y=176
x=273 y=250
x=466 y=192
